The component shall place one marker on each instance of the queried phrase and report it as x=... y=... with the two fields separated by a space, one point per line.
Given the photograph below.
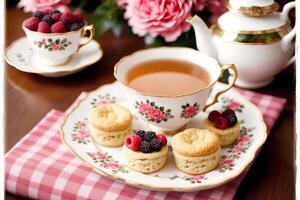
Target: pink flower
x=227 y=162
x=99 y=156
x=190 y=111
x=156 y=114
x=199 y=5
x=81 y=125
x=112 y=165
x=55 y=47
x=101 y=102
x=83 y=134
x=122 y=3
x=159 y=17
x=216 y=7
x=239 y=148
x=144 y=108
x=243 y=139
x=198 y=177
x=234 y=105
x=43 y=41
x=33 y=5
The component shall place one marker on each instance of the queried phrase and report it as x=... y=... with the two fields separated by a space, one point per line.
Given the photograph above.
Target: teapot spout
x=204 y=39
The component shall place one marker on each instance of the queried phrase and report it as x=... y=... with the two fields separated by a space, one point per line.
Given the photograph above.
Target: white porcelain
x=258 y=61
x=21 y=56
x=235 y=159
x=57 y=48
x=165 y=113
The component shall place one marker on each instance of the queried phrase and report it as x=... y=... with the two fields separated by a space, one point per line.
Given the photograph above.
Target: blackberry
x=81 y=23
x=38 y=14
x=149 y=136
x=231 y=119
x=155 y=145
x=48 y=19
x=145 y=147
x=51 y=12
x=141 y=133
x=74 y=27
x=66 y=23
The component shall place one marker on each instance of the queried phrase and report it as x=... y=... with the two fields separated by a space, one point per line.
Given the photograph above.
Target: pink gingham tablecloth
x=39 y=166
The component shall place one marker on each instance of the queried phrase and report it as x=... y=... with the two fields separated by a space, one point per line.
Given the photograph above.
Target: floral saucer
x=21 y=56
x=109 y=161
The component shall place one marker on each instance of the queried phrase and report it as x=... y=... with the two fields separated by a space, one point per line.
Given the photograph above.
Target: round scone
x=109 y=124
x=196 y=151
x=145 y=154
x=225 y=125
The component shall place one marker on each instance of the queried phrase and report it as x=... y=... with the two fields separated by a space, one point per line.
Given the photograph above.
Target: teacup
x=57 y=48
x=165 y=113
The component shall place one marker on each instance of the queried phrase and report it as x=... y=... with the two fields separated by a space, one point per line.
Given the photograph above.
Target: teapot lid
x=252 y=7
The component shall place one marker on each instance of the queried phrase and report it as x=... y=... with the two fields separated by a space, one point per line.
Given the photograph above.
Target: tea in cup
x=168 y=86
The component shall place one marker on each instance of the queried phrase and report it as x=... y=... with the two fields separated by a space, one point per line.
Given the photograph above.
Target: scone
x=145 y=152
x=196 y=151
x=225 y=125
x=109 y=124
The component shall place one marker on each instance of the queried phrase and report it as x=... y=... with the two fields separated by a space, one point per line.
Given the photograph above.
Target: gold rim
x=45 y=72
x=253 y=10
x=163 y=187
x=260 y=37
x=116 y=67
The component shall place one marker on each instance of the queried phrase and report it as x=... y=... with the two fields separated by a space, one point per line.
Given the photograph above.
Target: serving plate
x=109 y=161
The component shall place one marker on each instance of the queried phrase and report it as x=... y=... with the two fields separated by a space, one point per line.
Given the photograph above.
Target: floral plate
x=109 y=161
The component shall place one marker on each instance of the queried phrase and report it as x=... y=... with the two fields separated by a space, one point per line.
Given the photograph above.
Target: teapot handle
x=286 y=41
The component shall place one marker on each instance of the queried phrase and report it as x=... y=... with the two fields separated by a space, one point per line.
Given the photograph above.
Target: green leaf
x=57 y=41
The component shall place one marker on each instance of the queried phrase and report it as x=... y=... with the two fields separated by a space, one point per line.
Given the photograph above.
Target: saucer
x=21 y=56
x=109 y=161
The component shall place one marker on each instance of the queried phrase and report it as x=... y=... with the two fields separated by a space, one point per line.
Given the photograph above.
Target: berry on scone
x=223 y=120
x=133 y=142
x=213 y=115
x=228 y=112
x=162 y=138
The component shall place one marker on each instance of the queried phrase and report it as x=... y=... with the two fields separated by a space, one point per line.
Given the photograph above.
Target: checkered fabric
x=39 y=166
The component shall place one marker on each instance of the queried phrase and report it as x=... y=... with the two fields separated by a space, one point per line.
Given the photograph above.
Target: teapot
x=253 y=36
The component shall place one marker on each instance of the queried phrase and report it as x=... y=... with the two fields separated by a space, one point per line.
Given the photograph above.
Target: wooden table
x=29 y=97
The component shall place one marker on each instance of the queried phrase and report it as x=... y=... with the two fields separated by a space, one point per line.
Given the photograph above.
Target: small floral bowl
x=57 y=48
x=171 y=113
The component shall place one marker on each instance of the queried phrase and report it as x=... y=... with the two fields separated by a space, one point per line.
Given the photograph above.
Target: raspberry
x=44 y=27
x=145 y=147
x=141 y=133
x=56 y=17
x=74 y=27
x=213 y=115
x=32 y=23
x=58 y=27
x=133 y=142
x=54 y=11
x=155 y=145
x=228 y=112
x=221 y=123
x=48 y=19
x=162 y=138
x=68 y=16
x=149 y=136
x=232 y=120
x=77 y=16
x=38 y=14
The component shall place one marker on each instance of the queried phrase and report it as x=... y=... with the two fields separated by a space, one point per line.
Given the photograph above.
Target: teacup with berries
x=55 y=36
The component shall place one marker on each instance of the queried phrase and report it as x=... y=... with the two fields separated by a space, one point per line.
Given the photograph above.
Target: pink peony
x=144 y=108
x=190 y=111
x=159 y=17
x=156 y=114
x=33 y=5
x=234 y=105
x=199 y=5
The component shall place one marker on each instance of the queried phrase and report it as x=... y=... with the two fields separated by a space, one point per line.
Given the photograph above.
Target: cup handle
x=86 y=29
x=223 y=69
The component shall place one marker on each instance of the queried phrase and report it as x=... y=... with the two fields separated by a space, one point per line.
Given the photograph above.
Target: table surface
x=29 y=97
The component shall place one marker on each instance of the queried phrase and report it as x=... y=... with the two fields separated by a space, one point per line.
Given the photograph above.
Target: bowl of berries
x=56 y=36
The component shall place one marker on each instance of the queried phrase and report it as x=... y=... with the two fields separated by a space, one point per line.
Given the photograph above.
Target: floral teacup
x=57 y=48
x=171 y=113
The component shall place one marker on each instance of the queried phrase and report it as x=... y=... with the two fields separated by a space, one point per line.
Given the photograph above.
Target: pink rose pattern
x=106 y=161
x=81 y=133
x=189 y=111
x=53 y=44
x=33 y=5
x=164 y=18
x=234 y=105
x=152 y=112
x=103 y=99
